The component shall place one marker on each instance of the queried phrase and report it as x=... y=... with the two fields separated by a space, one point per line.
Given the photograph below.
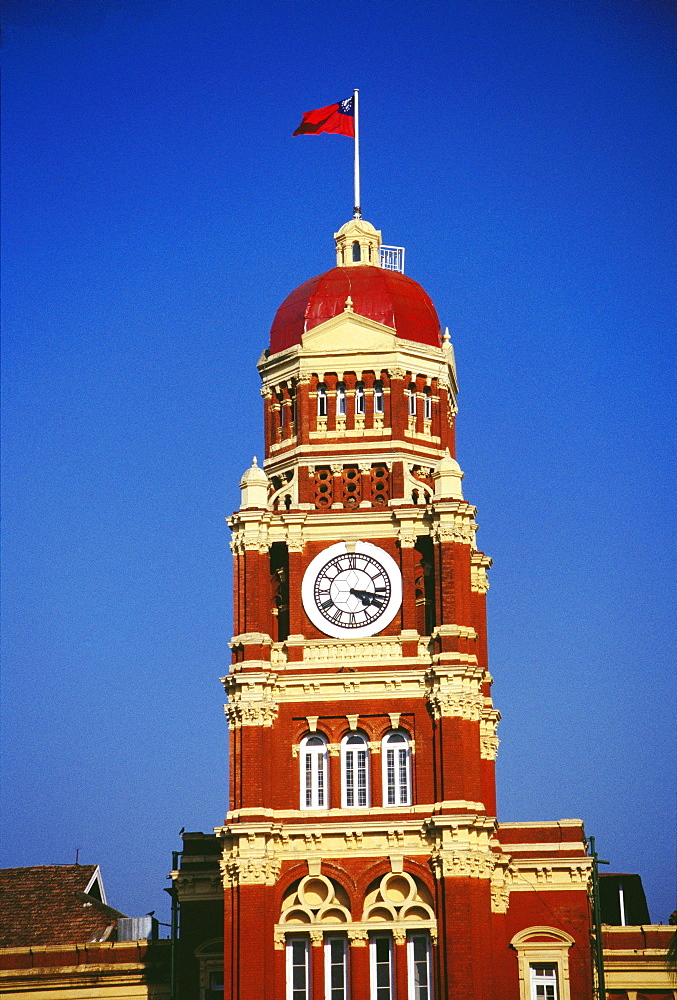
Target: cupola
x=357 y=243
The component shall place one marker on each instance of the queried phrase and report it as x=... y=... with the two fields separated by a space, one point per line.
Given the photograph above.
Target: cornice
x=451 y=690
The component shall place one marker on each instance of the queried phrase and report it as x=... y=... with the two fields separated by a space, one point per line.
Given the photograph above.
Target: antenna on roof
x=77 y=855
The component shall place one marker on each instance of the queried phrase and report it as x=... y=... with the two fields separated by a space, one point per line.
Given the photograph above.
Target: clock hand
x=367 y=597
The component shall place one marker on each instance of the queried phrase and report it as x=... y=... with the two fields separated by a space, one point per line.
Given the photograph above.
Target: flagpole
x=357 y=211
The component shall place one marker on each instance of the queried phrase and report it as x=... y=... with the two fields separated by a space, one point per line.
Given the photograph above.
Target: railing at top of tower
x=392 y=258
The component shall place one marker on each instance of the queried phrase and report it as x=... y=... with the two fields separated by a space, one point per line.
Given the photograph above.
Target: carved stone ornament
x=473 y=864
x=303 y=378
x=250 y=871
x=358 y=938
x=252 y=703
x=399 y=935
x=489 y=747
x=500 y=898
x=479 y=581
x=397 y=373
x=459 y=530
x=316 y=937
x=279 y=940
x=463 y=706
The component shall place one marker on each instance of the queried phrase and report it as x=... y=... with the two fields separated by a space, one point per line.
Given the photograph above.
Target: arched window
x=341 y=399
x=396 y=757
x=322 y=400
x=354 y=771
x=314 y=778
x=412 y=399
x=357 y=253
x=378 y=397
x=359 y=398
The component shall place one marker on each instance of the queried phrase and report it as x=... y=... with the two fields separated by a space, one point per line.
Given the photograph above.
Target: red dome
x=386 y=296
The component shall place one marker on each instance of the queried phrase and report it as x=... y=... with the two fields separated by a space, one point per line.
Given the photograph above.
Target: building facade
x=361 y=854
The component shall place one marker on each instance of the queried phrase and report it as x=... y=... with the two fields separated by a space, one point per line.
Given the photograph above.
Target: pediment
x=349 y=332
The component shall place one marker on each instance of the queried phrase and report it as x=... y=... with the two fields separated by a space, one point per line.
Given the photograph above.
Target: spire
x=357 y=243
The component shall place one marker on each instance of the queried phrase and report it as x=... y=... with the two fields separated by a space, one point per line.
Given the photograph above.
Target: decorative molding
x=252 y=699
x=479 y=564
x=250 y=871
x=358 y=937
x=489 y=747
x=474 y=863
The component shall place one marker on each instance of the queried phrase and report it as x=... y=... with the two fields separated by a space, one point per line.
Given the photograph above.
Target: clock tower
x=362 y=859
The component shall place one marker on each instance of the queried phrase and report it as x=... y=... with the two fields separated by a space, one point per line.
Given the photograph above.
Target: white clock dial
x=352 y=590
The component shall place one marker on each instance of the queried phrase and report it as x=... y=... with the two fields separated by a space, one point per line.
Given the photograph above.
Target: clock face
x=352 y=589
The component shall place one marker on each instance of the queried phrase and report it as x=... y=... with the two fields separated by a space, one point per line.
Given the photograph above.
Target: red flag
x=338 y=118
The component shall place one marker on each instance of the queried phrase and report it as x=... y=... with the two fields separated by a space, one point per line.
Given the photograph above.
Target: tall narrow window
x=357 y=256
x=419 y=967
x=340 y=400
x=359 y=398
x=322 y=400
x=314 y=784
x=381 y=971
x=298 y=969
x=214 y=988
x=428 y=406
x=378 y=397
x=544 y=982
x=412 y=400
x=396 y=757
x=336 y=968
x=355 y=768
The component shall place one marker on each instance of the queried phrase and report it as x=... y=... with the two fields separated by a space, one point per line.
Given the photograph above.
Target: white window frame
x=402 y=789
x=427 y=406
x=350 y=771
x=333 y=939
x=542 y=945
x=322 y=400
x=412 y=992
x=314 y=760
x=412 y=400
x=373 y=990
x=341 y=400
x=536 y=980
x=359 y=399
x=291 y=941
x=379 y=397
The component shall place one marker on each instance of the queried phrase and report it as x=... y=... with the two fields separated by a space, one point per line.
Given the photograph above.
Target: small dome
x=254 y=475
x=388 y=297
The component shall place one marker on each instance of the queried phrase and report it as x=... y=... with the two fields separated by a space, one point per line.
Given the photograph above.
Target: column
x=358 y=959
x=317 y=964
x=401 y=991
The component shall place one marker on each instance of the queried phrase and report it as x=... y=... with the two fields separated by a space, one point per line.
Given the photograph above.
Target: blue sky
x=156 y=212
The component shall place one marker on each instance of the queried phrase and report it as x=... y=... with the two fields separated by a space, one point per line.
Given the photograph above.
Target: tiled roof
x=47 y=904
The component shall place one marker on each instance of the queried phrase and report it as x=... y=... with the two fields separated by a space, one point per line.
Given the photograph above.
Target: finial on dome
x=357 y=243
x=348 y=307
x=447 y=336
